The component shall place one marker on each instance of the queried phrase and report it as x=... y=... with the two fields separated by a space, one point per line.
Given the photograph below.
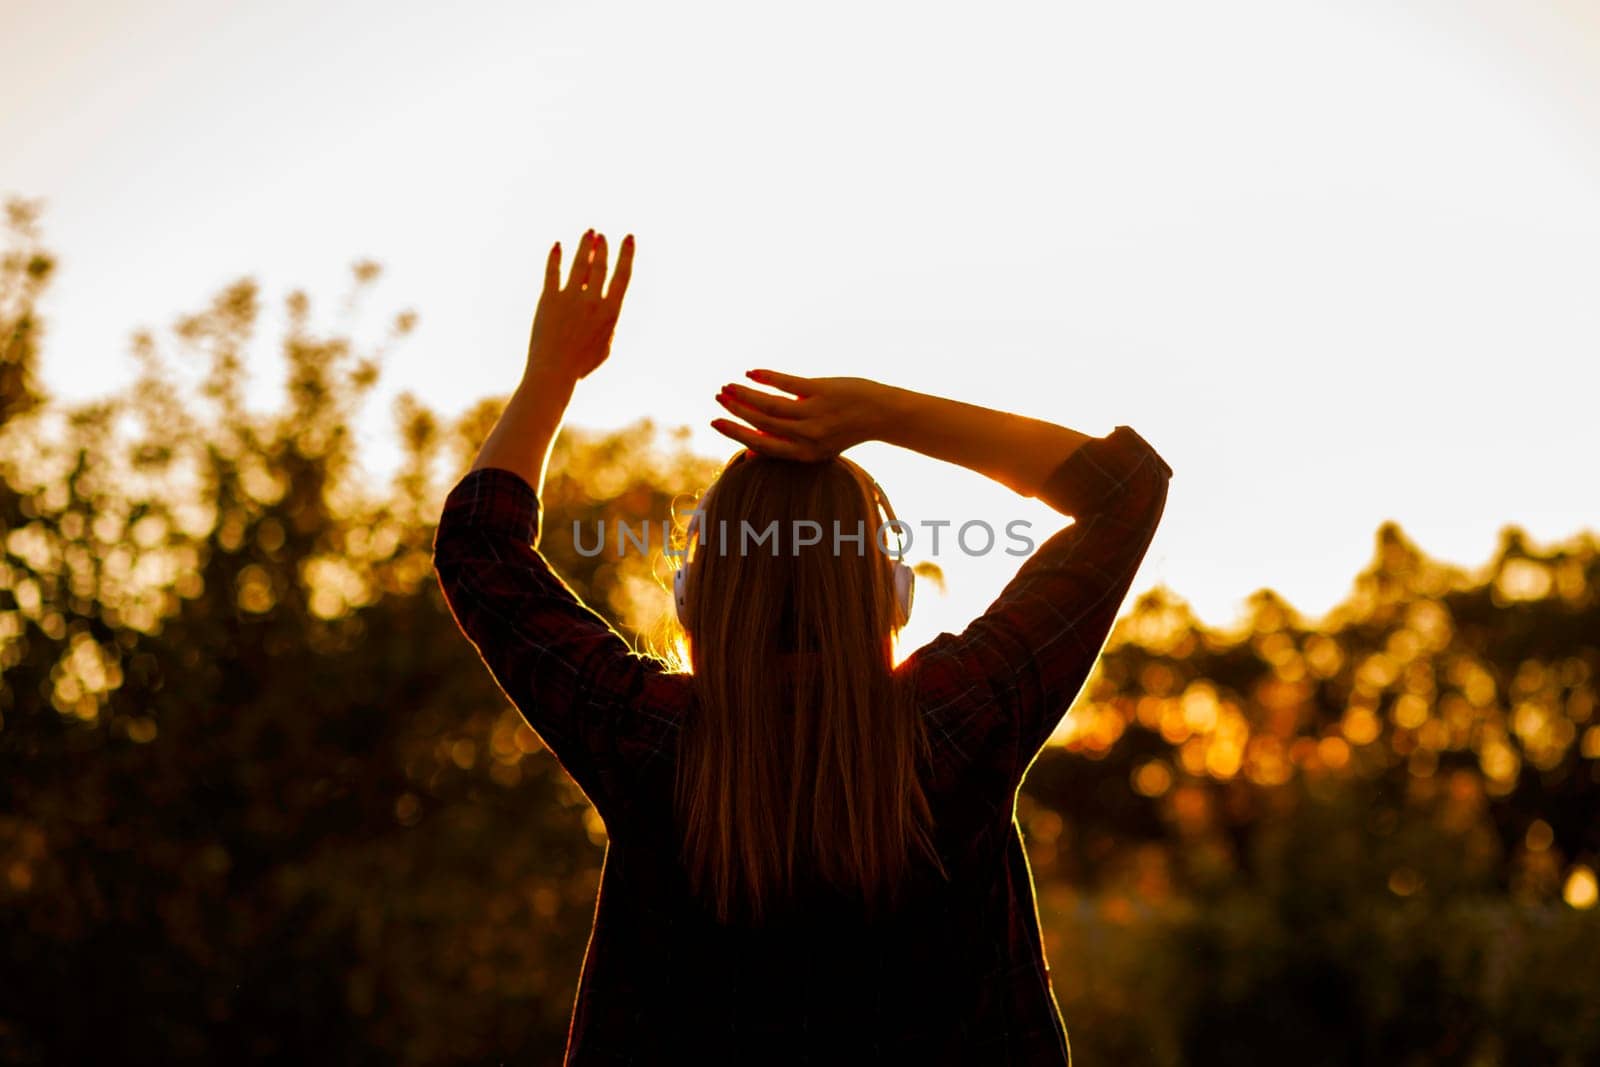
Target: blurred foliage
x=259 y=800
x=1371 y=838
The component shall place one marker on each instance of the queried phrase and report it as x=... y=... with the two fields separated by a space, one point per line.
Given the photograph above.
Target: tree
x=261 y=800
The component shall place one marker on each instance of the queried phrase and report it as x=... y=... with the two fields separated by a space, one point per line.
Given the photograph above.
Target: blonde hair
x=801 y=763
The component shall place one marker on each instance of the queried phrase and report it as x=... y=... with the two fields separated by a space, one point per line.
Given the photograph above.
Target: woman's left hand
x=572 y=327
x=823 y=418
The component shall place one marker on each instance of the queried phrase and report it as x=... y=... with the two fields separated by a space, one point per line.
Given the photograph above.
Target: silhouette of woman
x=812 y=854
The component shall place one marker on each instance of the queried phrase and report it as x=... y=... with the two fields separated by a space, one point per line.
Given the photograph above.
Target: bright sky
x=1335 y=260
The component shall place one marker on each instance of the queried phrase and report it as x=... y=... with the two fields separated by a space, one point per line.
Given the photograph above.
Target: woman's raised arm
x=575 y=680
x=827 y=415
x=572 y=331
x=996 y=691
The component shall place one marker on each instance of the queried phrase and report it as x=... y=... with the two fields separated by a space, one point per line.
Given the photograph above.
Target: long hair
x=801 y=764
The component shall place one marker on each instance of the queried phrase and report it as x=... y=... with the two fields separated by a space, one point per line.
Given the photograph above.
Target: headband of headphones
x=904 y=577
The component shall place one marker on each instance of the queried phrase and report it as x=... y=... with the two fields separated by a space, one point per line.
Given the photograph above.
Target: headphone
x=905 y=579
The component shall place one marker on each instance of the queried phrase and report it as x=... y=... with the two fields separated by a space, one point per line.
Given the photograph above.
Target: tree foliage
x=259 y=800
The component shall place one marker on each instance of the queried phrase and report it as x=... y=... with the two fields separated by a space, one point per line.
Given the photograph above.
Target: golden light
x=1303 y=751
x=1458 y=714
x=1277 y=692
x=1192 y=805
x=1528 y=721
x=1580 y=704
x=1499 y=761
x=1434 y=734
x=1193 y=756
x=1224 y=756
x=1522 y=579
x=1324 y=655
x=1265 y=762
x=1174 y=727
x=1360 y=726
x=1377 y=672
x=1419 y=678
x=1539 y=836
x=1581 y=890
x=1591 y=743
x=1431 y=622
x=1276 y=648
x=255 y=590
x=594 y=825
x=1574 y=670
x=1530 y=677
x=527 y=740
x=1473 y=679
x=1148 y=711
x=1410 y=711
x=1334 y=752
x=1200 y=706
x=1571 y=580
x=1157 y=678
x=1152 y=779
x=1403 y=645
x=503 y=739
x=1106 y=728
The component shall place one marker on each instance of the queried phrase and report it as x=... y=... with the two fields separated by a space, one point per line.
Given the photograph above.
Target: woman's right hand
x=822 y=418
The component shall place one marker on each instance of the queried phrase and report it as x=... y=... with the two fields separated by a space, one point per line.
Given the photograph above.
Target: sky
x=1336 y=261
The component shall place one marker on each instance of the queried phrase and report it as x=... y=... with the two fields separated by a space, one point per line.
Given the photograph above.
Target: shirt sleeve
x=995 y=692
x=576 y=681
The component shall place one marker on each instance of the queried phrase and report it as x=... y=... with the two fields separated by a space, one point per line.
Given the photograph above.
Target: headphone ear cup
x=680 y=594
x=680 y=578
x=905 y=585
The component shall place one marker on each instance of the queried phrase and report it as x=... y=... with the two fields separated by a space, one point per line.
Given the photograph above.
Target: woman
x=813 y=855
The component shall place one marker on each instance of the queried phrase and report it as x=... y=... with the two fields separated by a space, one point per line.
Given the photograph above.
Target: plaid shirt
x=958 y=973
